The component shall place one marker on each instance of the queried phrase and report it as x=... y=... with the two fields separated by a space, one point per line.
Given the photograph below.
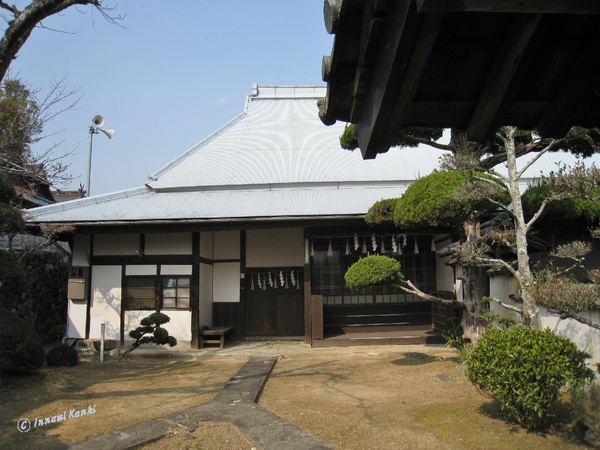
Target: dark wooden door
x=274 y=312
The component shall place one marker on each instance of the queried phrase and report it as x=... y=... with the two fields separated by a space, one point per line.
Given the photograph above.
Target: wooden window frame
x=157 y=283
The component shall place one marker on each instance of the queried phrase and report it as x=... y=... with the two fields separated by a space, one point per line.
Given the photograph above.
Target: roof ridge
x=282 y=91
x=174 y=162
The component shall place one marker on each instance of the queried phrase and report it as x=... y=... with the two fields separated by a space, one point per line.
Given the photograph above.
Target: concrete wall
x=586 y=338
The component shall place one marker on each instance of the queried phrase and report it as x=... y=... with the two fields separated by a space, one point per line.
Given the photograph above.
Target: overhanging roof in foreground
x=276 y=160
x=474 y=65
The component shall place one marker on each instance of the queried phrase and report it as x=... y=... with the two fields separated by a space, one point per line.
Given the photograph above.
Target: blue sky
x=176 y=72
x=172 y=74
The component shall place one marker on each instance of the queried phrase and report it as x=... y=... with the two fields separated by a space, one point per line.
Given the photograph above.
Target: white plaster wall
x=206 y=244
x=275 y=247
x=501 y=286
x=226 y=245
x=76 y=317
x=459 y=283
x=586 y=338
x=81 y=251
x=168 y=244
x=444 y=273
x=116 y=244
x=167 y=269
x=226 y=282
x=106 y=301
x=179 y=326
x=206 y=295
x=148 y=269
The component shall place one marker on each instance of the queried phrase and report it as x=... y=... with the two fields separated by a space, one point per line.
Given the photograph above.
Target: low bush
x=20 y=347
x=63 y=355
x=525 y=370
x=586 y=412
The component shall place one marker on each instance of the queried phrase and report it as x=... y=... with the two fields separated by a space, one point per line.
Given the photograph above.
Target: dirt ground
x=391 y=397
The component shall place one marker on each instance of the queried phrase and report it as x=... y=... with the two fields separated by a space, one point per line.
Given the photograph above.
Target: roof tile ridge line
x=296 y=95
x=156 y=175
x=304 y=185
x=103 y=198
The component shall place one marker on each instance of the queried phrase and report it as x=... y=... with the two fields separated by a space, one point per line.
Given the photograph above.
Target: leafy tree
x=432 y=205
x=454 y=201
x=579 y=182
x=11 y=219
x=377 y=270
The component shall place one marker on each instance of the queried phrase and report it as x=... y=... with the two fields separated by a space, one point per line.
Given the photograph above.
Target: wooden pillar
x=307 y=294
x=317 y=317
x=195 y=290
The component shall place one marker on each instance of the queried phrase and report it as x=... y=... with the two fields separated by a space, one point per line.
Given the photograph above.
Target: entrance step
x=409 y=335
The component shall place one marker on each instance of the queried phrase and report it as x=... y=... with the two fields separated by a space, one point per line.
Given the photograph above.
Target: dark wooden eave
x=474 y=65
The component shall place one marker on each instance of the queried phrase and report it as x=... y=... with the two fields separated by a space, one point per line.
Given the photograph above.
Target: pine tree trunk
x=475 y=283
x=474 y=289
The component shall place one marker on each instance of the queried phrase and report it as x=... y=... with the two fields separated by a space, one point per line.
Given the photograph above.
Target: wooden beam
x=501 y=74
x=396 y=78
x=388 y=72
x=510 y=6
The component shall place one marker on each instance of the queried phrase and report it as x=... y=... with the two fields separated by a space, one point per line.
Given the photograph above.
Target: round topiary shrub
x=525 y=371
x=63 y=355
x=373 y=270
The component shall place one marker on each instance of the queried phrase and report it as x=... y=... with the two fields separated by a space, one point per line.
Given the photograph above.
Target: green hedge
x=525 y=371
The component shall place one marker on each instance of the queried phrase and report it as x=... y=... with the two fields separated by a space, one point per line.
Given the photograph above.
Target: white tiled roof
x=275 y=160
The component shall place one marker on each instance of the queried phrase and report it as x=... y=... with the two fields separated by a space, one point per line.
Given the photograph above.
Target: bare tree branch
x=506 y=305
x=23 y=22
x=408 y=287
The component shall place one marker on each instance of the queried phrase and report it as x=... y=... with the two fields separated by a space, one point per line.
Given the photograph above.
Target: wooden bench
x=215 y=335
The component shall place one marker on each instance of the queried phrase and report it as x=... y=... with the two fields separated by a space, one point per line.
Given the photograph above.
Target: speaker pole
x=97 y=122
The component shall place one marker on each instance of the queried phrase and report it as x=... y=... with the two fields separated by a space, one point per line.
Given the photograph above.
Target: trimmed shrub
x=150 y=326
x=381 y=212
x=525 y=370
x=373 y=270
x=63 y=355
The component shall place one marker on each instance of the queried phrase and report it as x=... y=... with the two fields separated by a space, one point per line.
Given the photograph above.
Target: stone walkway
x=235 y=403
